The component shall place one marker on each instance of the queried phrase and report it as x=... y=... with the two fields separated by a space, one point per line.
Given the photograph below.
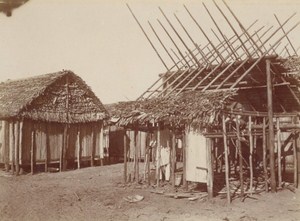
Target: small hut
x=48 y=119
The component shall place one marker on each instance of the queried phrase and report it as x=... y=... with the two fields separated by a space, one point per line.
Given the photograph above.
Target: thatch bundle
x=194 y=108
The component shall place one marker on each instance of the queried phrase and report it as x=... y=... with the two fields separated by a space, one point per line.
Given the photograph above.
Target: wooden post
x=17 y=142
x=65 y=147
x=238 y=143
x=125 y=157
x=32 y=148
x=6 y=144
x=101 y=140
x=137 y=171
x=251 y=155
x=79 y=141
x=210 y=172
x=173 y=158
x=271 y=126
x=13 y=146
x=279 y=153
x=226 y=160
x=93 y=146
x=295 y=162
x=158 y=156
x=148 y=166
x=265 y=155
x=21 y=143
x=184 y=146
x=47 y=148
x=298 y=156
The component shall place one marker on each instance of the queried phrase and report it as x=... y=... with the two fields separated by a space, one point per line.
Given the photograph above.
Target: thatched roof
x=59 y=97
x=194 y=108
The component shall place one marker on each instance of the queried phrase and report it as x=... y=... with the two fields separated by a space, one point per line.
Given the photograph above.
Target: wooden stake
x=158 y=157
x=279 y=153
x=125 y=157
x=271 y=126
x=17 y=144
x=173 y=158
x=238 y=144
x=32 y=149
x=226 y=160
x=79 y=148
x=265 y=155
x=251 y=155
x=210 y=172
x=295 y=162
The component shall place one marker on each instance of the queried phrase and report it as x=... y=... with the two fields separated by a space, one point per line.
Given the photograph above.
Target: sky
x=100 y=41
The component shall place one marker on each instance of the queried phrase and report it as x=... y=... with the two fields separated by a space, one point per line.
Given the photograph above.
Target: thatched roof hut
x=57 y=97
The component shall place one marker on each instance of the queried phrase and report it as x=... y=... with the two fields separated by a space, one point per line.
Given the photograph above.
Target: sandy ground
x=97 y=194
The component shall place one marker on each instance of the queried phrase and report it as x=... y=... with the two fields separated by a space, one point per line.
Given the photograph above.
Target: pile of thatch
x=193 y=108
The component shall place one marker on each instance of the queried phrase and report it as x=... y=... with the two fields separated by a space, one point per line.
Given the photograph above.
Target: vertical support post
x=32 y=149
x=137 y=153
x=238 y=143
x=271 y=126
x=47 y=148
x=173 y=159
x=21 y=143
x=101 y=146
x=158 y=156
x=125 y=157
x=184 y=146
x=13 y=146
x=17 y=142
x=298 y=156
x=6 y=144
x=295 y=161
x=210 y=172
x=79 y=141
x=226 y=160
x=66 y=144
x=279 y=152
x=251 y=155
x=93 y=146
x=148 y=165
x=264 y=140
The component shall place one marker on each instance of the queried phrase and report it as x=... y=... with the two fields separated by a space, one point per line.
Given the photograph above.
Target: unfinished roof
x=58 y=97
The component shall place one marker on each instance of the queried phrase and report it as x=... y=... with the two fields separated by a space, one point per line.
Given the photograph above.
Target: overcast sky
x=100 y=41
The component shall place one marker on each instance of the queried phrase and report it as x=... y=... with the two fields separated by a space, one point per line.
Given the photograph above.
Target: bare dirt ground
x=97 y=194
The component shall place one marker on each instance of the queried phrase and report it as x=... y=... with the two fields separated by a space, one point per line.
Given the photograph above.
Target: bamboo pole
x=251 y=155
x=271 y=126
x=295 y=161
x=279 y=153
x=265 y=155
x=78 y=148
x=32 y=149
x=226 y=160
x=158 y=156
x=210 y=172
x=17 y=143
x=238 y=144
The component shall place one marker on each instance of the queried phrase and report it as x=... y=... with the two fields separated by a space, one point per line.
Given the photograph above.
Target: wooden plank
x=271 y=126
x=226 y=160
x=210 y=176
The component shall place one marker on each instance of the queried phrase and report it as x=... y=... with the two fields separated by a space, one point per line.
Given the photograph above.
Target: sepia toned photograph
x=149 y=110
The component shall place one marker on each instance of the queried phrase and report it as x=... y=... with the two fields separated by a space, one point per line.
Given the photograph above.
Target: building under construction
x=232 y=107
